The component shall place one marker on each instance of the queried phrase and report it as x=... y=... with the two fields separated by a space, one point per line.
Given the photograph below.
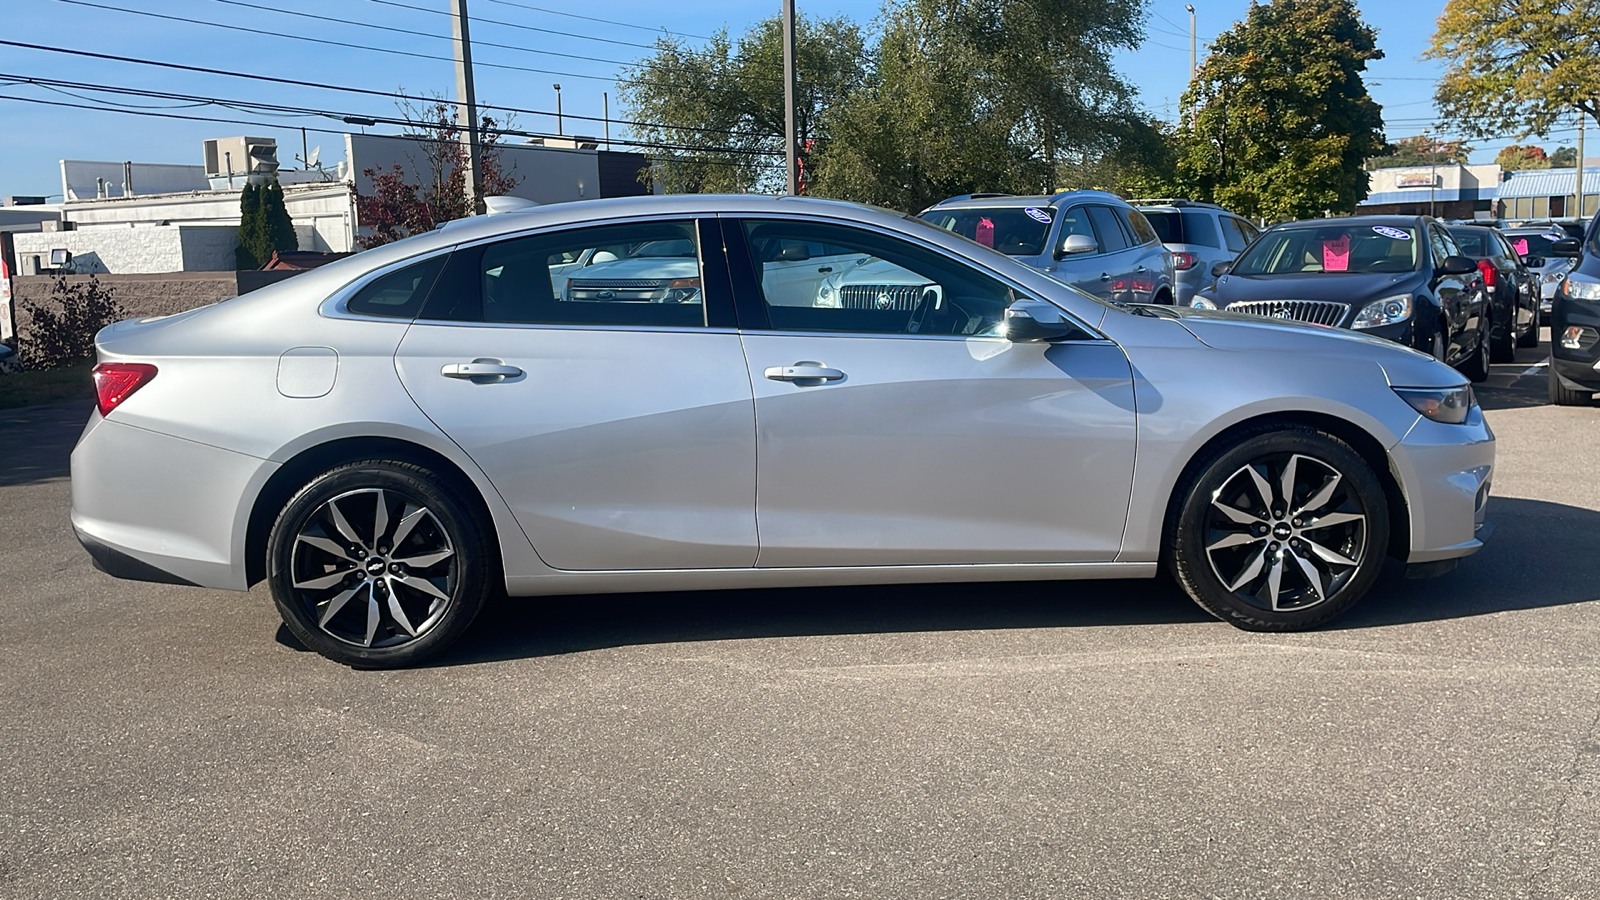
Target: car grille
x=881 y=296
x=1317 y=312
x=617 y=289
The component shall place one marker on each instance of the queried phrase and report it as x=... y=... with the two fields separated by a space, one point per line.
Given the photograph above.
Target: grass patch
x=46 y=386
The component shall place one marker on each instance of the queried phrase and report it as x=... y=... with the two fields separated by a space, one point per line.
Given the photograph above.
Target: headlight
x=1553 y=277
x=1580 y=287
x=683 y=290
x=1448 y=405
x=1387 y=311
x=1202 y=303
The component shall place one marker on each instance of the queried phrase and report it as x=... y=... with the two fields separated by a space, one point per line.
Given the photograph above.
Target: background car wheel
x=378 y=564
x=1503 y=342
x=1282 y=532
x=1530 y=338
x=1476 y=368
x=1561 y=395
x=1440 y=343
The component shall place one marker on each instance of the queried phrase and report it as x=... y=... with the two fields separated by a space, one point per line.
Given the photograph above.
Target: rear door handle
x=803 y=371
x=1105 y=276
x=480 y=368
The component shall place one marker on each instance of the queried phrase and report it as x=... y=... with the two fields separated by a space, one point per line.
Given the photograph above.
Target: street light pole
x=790 y=138
x=1192 y=63
x=467 y=103
x=558 y=109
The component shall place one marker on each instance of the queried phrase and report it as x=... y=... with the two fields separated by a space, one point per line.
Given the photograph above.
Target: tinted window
x=1330 y=248
x=645 y=274
x=884 y=286
x=1170 y=226
x=398 y=294
x=1436 y=239
x=1531 y=244
x=1234 y=235
x=1014 y=230
x=1138 y=226
x=1108 y=231
x=1478 y=243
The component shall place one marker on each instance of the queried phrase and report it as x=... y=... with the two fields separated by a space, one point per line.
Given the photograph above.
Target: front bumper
x=1445 y=473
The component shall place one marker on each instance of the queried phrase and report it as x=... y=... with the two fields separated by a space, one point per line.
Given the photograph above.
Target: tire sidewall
x=1193 y=567
x=465 y=533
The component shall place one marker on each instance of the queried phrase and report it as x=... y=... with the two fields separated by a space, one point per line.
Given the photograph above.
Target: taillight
x=116 y=382
x=1490 y=275
x=1184 y=261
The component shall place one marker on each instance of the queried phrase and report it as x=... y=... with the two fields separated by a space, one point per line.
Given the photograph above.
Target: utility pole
x=605 y=113
x=791 y=148
x=560 y=126
x=1193 y=64
x=1579 y=197
x=466 y=102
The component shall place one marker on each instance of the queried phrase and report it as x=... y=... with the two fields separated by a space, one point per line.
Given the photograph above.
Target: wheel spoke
x=372 y=616
x=1313 y=576
x=325 y=581
x=1329 y=555
x=403 y=530
x=343 y=524
x=1287 y=481
x=1331 y=519
x=1236 y=539
x=380 y=519
x=1323 y=495
x=424 y=560
x=1236 y=515
x=1262 y=488
x=326 y=544
x=1275 y=579
x=426 y=587
x=1250 y=571
x=336 y=604
x=399 y=614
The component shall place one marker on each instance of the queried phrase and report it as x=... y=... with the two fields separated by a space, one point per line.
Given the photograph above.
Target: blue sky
x=35 y=137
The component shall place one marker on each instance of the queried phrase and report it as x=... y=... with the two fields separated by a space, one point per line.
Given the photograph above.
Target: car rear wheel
x=1476 y=368
x=1503 y=340
x=378 y=564
x=1281 y=532
x=1530 y=338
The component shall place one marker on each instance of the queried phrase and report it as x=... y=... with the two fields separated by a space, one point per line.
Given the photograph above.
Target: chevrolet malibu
x=392 y=439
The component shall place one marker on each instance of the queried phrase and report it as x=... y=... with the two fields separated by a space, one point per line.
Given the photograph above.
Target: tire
x=1531 y=337
x=1289 y=577
x=1476 y=367
x=1503 y=343
x=1561 y=395
x=345 y=593
x=1441 y=346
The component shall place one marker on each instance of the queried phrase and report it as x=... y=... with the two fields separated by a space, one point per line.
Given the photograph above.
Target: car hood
x=879 y=271
x=663 y=267
x=1403 y=366
x=1340 y=288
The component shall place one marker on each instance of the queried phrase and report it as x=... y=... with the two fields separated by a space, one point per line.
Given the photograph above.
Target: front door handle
x=1105 y=276
x=1141 y=269
x=479 y=368
x=803 y=371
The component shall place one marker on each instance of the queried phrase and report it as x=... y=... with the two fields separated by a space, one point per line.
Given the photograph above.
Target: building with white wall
x=130 y=249
x=1447 y=191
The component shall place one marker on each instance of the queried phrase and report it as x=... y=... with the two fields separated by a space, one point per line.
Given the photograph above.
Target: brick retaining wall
x=147 y=295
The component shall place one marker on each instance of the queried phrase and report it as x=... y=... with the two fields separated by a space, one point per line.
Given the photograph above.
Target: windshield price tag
x=1388 y=232
x=1038 y=215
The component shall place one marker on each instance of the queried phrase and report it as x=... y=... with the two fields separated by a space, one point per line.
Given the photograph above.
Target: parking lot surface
x=1087 y=739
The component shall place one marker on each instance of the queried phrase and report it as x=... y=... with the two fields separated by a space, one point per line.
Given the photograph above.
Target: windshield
x=1330 y=249
x=1013 y=230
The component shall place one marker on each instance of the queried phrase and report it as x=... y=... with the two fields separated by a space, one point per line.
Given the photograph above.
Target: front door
x=908 y=432
x=616 y=425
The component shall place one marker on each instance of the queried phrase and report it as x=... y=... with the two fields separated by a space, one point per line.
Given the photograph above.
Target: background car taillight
x=1490 y=275
x=116 y=382
x=1184 y=261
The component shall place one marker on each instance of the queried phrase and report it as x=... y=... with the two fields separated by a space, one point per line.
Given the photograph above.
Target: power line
x=556 y=12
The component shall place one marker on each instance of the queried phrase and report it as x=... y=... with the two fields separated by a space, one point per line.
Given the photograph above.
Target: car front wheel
x=378 y=564
x=1283 y=531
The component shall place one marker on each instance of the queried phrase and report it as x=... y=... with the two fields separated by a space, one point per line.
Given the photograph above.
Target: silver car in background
x=392 y=439
x=1199 y=235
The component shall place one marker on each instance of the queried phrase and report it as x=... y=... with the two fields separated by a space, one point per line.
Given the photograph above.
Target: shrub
x=62 y=332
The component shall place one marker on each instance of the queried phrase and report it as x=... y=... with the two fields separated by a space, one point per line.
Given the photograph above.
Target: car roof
x=1401 y=221
x=1019 y=201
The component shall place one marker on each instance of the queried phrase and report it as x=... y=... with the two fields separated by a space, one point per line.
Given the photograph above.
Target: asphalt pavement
x=1097 y=740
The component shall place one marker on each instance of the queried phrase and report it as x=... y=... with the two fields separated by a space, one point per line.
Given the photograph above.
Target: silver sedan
x=603 y=396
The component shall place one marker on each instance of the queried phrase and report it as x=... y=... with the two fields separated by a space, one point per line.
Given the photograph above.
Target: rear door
x=1119 y=257
x=615 y=419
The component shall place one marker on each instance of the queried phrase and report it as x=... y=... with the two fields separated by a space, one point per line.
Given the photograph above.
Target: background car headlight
x=1553 y=277
x=1202 y=303
x=1448 y=405
x=1579 y=287
x=1387 y=311
x=683 y=290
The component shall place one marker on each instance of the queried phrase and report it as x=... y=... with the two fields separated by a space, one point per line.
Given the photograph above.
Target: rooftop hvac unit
x=233 y=162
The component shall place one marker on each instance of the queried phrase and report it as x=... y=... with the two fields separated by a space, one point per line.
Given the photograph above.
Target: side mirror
x=794 y=253
x=1534 y=262
x=1077 y=243
x=1458 y=265
x=1221 y=268
x=1568 y=248
x=1029 y=321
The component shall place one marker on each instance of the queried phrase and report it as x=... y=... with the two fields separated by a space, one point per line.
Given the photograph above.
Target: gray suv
x=1091 y=240
x=1200 y=235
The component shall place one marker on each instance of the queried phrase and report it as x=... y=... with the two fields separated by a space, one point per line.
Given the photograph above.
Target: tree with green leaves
x=1517 y=157
x=723 y=101
x=1520 y=67
x=1278 y=121
x=1422 y=150
x=1564 y=158
x=249 y=228
x=276 y=226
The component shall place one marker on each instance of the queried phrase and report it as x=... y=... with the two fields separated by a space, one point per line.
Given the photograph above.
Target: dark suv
x=1575 y=322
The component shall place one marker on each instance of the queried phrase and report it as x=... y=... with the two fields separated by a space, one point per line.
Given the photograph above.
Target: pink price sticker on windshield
x=1521 y=246
x=1336 y=254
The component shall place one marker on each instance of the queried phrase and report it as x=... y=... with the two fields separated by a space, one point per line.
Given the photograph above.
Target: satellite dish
x=311 y=161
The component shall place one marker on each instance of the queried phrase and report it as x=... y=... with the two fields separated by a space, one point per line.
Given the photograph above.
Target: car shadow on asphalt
x=1540 y=556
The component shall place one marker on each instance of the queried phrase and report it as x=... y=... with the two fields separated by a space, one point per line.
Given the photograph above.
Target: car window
x=884 y=286
x=644 y=274
x=1330 y=248
x=1234 y=235
x=1107 y=229
x=1478 y=243
x=1013 y=230
x=1532 y=243
x=1436 y=239
x=1138 y=226
x=398 y=294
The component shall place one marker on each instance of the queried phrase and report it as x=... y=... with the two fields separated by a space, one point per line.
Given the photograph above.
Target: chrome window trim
x=872 y=335
x=525 y=326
